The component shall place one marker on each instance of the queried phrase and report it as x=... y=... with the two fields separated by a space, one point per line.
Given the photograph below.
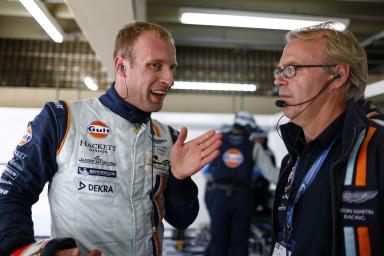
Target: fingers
x=210 y=142
x=209 y=158
x=211 y=145
x=182 y=136
x=94 y=253
x=204 y=137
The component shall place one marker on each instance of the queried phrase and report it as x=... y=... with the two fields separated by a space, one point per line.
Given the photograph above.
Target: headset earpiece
x=337 y=76
x=121 y=69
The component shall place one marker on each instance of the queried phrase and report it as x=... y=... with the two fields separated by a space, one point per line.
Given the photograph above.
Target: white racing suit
x=97 y=156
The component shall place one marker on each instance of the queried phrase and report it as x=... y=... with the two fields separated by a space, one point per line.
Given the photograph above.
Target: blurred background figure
x=229 y=194
x=264 y=174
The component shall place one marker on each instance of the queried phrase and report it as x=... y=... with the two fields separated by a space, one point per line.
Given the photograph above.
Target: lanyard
x=305 y=184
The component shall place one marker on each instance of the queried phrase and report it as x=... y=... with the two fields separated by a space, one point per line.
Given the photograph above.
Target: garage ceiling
x=97 y=21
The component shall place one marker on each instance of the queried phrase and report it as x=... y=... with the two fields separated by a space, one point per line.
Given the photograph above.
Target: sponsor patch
x=15 y=165
x=97 y=147
x=358 y=197
x=96 y=188
x=96 y=160
x=98 y=129
x=27 y=136
x=19 y=154
x=233 y=158
x=157 y=141
x=2 y=181
x=352 y=214
x=58 y=105
x=96 y=172
x=161 y=164
x=12 y=173
x=3 y=191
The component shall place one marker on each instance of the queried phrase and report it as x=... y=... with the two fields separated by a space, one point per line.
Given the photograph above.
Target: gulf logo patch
x=27 y=136
x=233 y=158
x=98 y=129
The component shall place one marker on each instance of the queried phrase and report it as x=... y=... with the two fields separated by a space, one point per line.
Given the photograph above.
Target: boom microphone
x=282 y=103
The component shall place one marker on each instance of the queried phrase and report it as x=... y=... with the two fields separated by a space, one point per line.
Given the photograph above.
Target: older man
x=329 y=198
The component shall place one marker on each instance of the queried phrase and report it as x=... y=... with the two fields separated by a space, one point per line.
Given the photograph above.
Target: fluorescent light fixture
x=374 y=89
x=244 y=19
x=91 y=85
x=38 y=10
x=184 y=85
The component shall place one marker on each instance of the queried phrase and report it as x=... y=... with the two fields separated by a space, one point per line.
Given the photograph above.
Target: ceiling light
x=374 y=89
x=38 y=10
x=91 y=85
x=244 y=19
x=183 y=85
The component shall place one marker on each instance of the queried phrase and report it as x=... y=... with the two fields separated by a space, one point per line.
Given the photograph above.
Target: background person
x=229 y=198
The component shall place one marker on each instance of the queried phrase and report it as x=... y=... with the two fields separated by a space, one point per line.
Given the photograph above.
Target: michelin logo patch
x=96 y=172
x=96 y=188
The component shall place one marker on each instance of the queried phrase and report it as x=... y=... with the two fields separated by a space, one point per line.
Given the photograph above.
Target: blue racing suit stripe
x=67 y=129
x=33 y=164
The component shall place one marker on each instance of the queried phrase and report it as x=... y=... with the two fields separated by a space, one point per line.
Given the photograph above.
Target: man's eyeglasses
x=290 y=70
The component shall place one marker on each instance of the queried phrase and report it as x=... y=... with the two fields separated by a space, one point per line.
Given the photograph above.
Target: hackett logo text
x=97 y=147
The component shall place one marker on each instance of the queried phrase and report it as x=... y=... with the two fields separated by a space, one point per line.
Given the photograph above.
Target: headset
x=121 y=69
x=282 y=103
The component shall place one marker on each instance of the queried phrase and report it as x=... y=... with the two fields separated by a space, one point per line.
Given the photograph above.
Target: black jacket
x=357 y=199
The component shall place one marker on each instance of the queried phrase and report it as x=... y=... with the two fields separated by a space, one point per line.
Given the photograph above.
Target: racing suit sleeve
x=181 y=202
x=264 y=163
x=33 y=164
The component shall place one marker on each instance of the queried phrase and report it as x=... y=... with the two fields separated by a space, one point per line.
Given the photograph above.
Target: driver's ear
x=119 y=66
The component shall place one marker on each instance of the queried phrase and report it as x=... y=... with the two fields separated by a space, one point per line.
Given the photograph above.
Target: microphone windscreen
x=280 y=103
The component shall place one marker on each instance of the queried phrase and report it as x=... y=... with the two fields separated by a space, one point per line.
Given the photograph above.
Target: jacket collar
x=119 y=106
x=354 y=122
x=356 y=118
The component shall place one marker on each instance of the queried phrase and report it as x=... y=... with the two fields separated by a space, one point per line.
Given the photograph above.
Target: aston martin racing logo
x=358 y=197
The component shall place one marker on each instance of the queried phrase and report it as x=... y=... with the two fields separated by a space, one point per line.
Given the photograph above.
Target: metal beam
x=100 y=21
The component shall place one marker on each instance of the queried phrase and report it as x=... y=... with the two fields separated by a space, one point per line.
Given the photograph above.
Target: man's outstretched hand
x=188 y=158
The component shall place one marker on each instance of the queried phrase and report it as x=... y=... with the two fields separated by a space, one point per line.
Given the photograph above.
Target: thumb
x=95 y=253
x=182 y=136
